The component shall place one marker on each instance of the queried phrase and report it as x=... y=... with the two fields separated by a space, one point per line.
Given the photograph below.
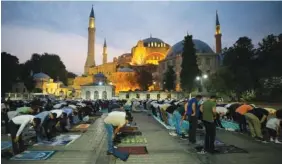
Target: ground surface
x=90 y=148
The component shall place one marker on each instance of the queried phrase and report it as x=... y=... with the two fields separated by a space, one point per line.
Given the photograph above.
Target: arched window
x=137 y=96
x=152 y=44
x=127 y=95
x=155 y=44
x=88 y=95
x=104 y=95
x=158 y=96
x=96 y=95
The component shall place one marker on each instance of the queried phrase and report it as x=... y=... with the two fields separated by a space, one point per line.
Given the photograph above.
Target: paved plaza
x=90 y=148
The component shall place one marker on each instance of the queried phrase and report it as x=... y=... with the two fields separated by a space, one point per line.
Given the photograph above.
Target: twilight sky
x=61 y=27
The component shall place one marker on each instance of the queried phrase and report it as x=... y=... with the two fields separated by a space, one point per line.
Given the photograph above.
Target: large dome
x=151 y=39
x=201 y=47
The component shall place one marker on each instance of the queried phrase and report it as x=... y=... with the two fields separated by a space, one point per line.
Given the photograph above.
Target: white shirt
x=23 y=121
x=116 y=118
x=220 y=109
x=273 y=123
x=57 y=111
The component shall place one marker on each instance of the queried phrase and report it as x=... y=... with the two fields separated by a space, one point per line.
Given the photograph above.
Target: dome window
x=155 y=44
x=152 y=44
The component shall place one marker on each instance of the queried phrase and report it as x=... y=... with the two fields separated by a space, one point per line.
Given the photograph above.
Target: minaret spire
x=105 y=43
x=217 y=34
x=105 y=55
x=90 y=60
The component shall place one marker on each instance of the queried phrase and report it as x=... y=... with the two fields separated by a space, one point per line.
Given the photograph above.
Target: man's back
x=208 y=114
x=116 y=118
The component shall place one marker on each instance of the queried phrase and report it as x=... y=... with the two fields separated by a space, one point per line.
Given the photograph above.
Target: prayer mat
x=136 y=150
x=216 y=142
x=82 y=126
x=166 y=126
x=121 y=155
x=60 y=140
x=230 y=126
x=33 y=155
x=6 y=145
x=134 y=133
x=134 y=140
x=224 y=149
x=129 y=129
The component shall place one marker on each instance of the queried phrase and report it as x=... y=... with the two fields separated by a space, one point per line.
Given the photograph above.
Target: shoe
x=183 y=138
x=278 y=142
x=109 y=153
x=202 y=152
x=264 y=141
x=172 y=134
x=272 y=140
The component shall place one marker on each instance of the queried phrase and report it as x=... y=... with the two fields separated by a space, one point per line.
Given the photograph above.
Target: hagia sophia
x=120 y=73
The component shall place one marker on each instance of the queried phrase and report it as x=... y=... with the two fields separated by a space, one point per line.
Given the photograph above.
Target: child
x=273 y=127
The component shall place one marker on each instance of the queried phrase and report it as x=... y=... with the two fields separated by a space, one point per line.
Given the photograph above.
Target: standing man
x=193 y=112
x=114 y=119
x=17 y=125
x=208 y=108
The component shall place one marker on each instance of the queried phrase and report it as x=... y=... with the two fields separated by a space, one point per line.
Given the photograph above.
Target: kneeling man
x=114 y=119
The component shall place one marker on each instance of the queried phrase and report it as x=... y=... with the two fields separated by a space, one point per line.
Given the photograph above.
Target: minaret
x=90 y=60
x=105 y=52
x=217 y=35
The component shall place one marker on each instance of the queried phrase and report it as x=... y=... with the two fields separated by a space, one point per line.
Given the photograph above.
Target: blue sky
x=61 y=27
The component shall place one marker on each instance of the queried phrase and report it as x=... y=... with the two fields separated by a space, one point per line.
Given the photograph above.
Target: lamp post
x=201 y=78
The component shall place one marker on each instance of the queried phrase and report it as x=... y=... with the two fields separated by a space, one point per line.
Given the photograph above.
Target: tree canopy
x=49 y=64
x=189 y=66
x=144 y=79
x=169 y=79
x=247 y=69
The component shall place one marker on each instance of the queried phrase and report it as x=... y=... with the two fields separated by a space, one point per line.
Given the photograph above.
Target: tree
x=169 y=80
x=238 y=61
x=9 y=72
x=189 y=65
x=50 y=64
x=71 y=75
x=144 y=79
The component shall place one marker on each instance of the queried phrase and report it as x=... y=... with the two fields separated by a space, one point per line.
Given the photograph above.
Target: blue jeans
x=110 y=133
x=177 y=119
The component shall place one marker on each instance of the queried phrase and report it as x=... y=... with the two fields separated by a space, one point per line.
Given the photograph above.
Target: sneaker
x=271 y=140
x=202 y=152
x=264 y=141
x=278 y=142
x=172 y=134
x=109 y=153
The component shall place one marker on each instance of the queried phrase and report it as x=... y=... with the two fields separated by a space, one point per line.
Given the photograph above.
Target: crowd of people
x=48 y=117
x=264 y=124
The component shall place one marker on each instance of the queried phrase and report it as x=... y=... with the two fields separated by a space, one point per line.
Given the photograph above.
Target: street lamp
x=200 y=78
x=100 y=83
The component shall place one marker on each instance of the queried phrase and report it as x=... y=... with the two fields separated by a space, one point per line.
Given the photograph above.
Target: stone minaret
x=105 y=52
x=217 y=35
x=90 y=60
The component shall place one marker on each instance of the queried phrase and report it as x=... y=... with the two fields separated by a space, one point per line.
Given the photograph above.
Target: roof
x=92 y=13
x=217 y=20
x=125 y=70
x=41 y=75
x=201 y=47
x=151 y=39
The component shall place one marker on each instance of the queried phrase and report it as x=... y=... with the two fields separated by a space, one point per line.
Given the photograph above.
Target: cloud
x=24 y=41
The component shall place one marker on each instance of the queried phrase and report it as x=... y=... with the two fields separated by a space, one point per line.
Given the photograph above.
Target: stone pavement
x=161 y=146
x=88 y=149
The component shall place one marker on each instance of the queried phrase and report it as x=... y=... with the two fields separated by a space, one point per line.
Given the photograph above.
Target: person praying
x=47 y=125
x=17 y=126
x=116 y=119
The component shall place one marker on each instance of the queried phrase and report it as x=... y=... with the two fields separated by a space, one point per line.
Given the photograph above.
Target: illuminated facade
x=149 y=51
x=56 y=88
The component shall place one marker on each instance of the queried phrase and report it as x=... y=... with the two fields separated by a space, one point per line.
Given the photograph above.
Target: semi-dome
x=41 y=76
x=201 y=47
